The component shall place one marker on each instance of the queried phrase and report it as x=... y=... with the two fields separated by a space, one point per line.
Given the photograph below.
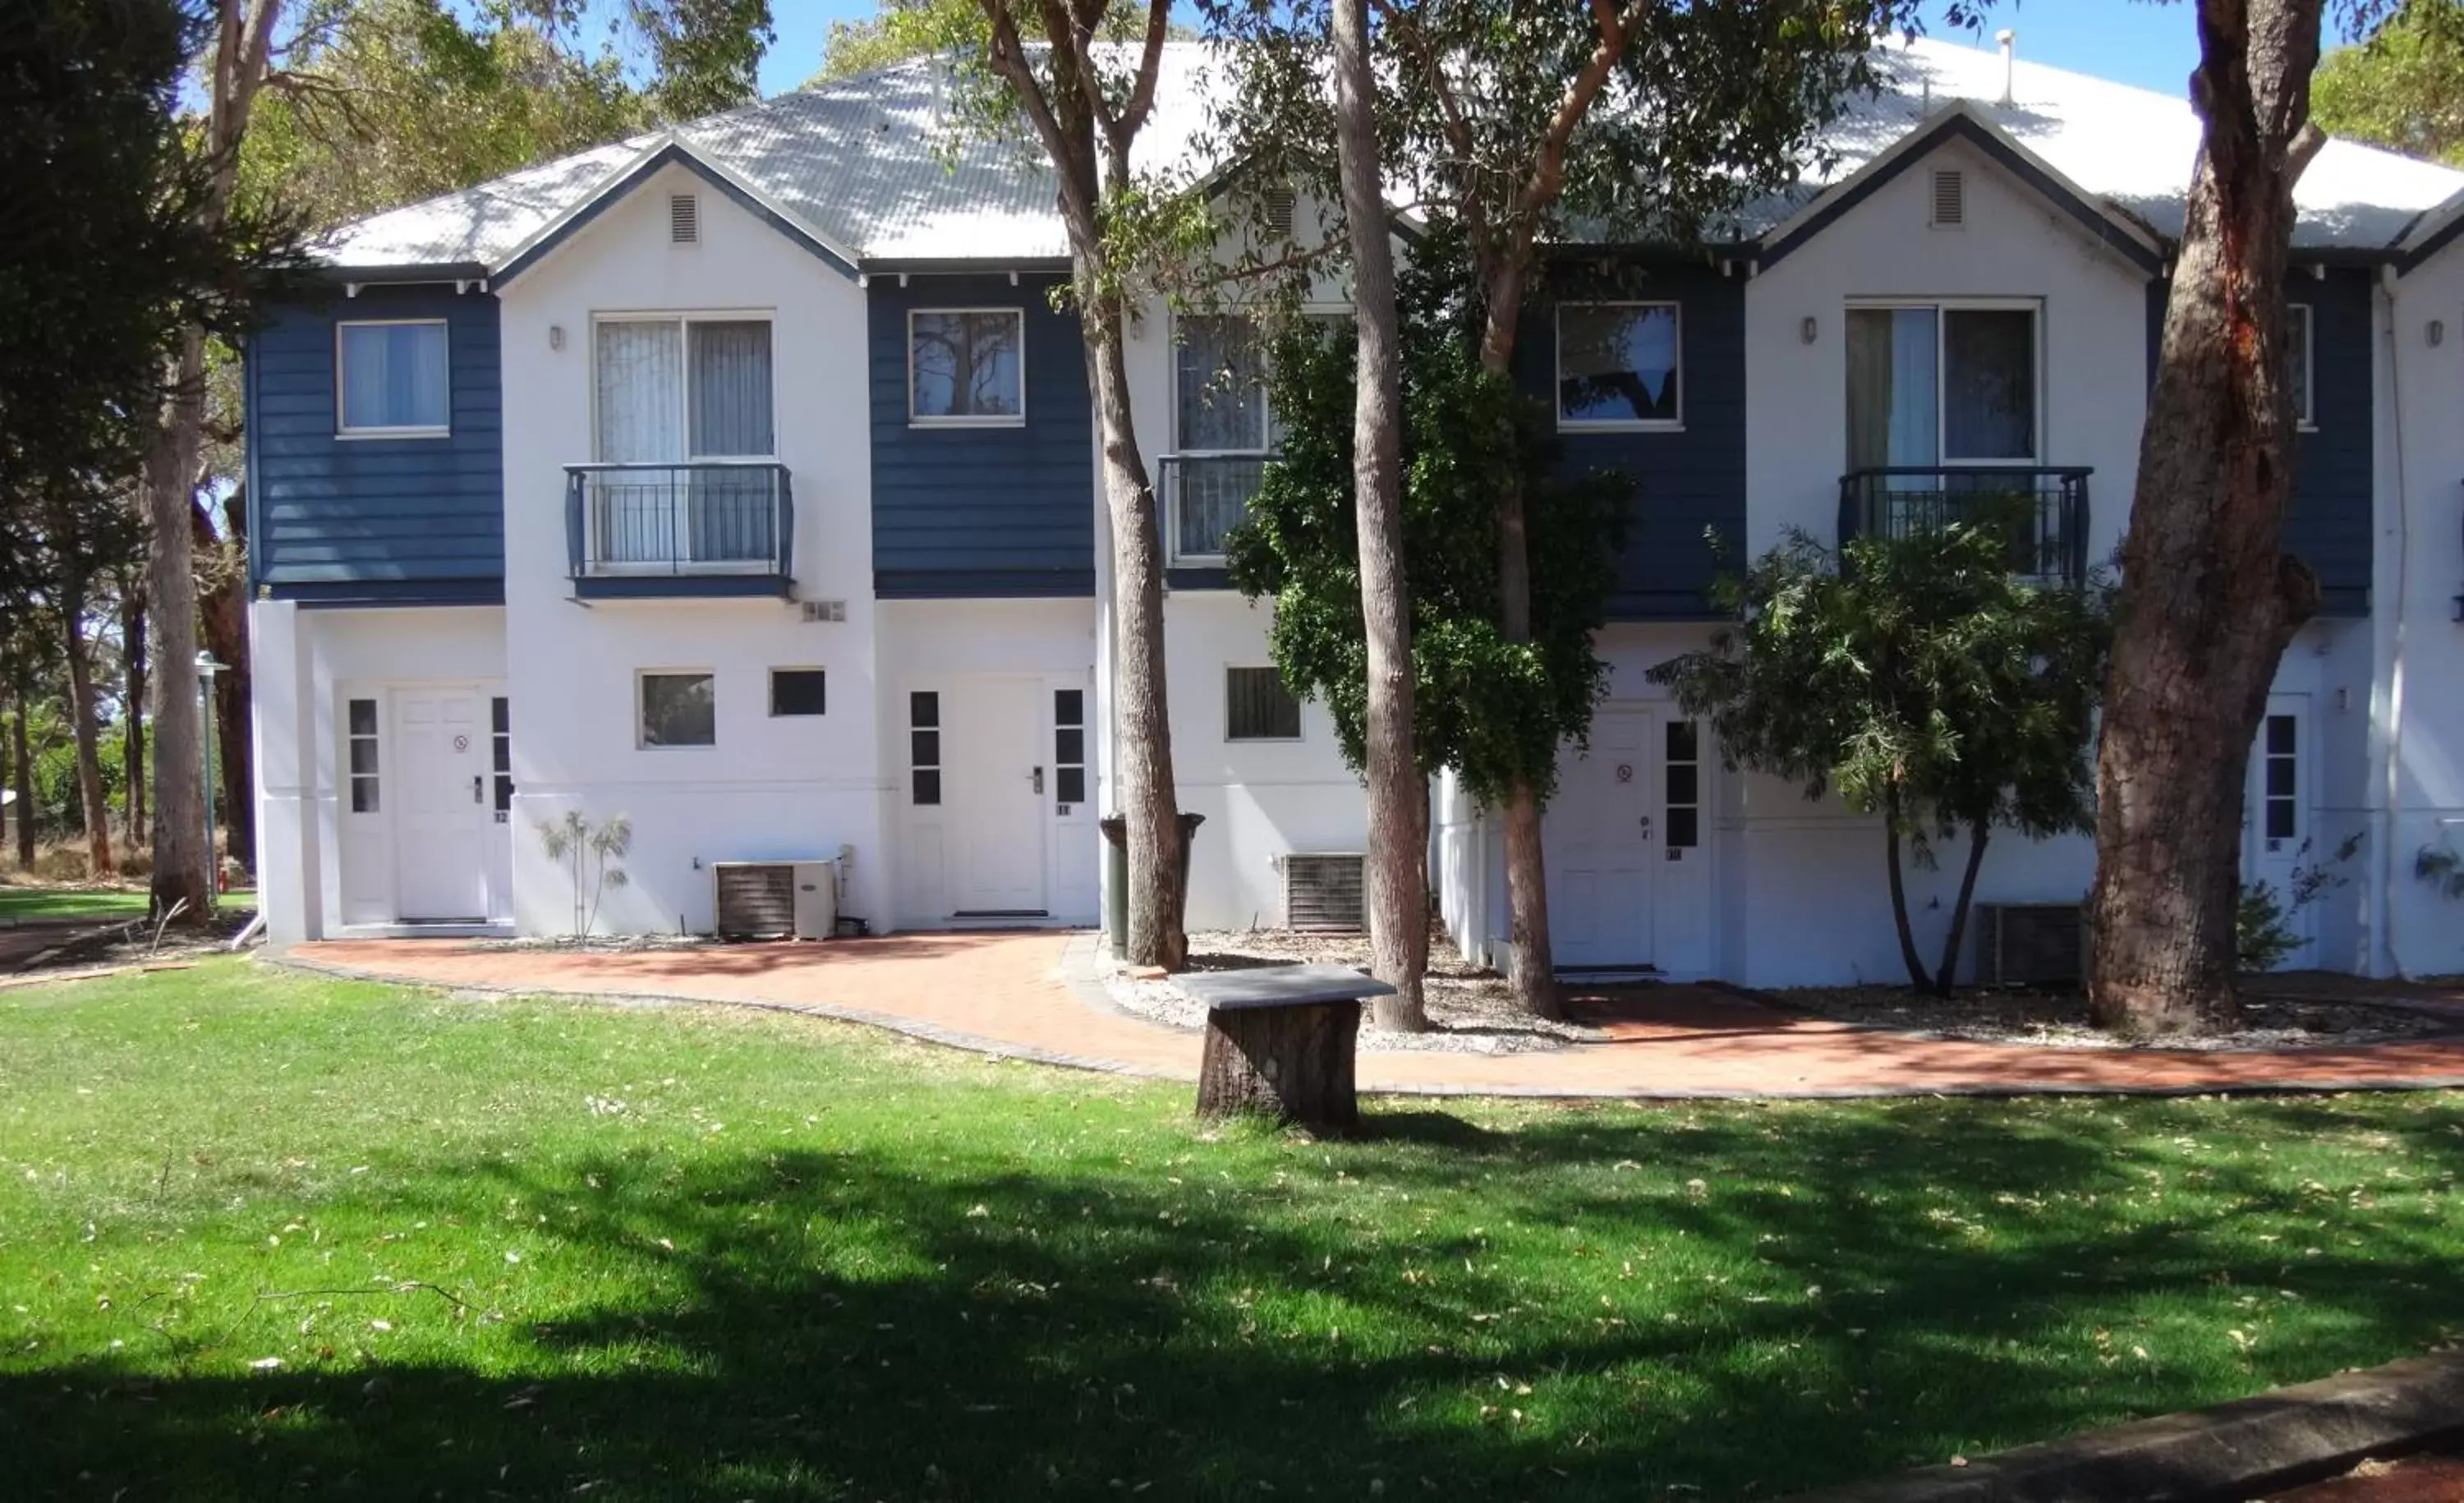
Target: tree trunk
x=1291 y=1063
x=1916 y=977
x=132 y=650
x=182 y=869
x=223 y=619
x=2208 y=601
x=1398 y=797
x=92 y=803
x=1150 y=803
x=1945 y=977
x=21 y=762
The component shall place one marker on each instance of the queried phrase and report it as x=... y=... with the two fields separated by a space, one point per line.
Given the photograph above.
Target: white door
x=1601 y=840
x=442 y=816
x=2275 y=821
x=997 y=766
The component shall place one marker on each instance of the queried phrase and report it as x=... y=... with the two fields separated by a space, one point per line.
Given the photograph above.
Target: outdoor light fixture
x=2437 y=332
x=1806 y=330
x=556 y=336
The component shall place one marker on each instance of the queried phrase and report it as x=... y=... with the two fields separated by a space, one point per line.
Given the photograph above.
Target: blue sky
x=2128 y=41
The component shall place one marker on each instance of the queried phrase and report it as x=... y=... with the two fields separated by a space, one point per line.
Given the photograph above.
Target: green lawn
x=51 y=904
x=262 y=1235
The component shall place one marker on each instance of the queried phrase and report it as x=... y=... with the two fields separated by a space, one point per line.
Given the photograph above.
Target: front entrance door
x=999 y=771
x=1629 y=878
x=442 y=816
x=2276 y=819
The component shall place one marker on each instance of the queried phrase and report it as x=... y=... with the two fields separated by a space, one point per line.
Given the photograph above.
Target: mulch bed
x=2295 y=1016
x=85 y=947
x=1471 y=1010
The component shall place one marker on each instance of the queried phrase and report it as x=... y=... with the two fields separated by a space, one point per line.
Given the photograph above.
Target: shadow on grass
x=852 y=1326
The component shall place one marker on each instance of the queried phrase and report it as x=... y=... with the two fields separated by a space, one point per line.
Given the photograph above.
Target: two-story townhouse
x=739 y=480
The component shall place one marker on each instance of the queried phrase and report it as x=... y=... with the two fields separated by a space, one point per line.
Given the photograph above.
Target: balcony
x=2043 y=511
x=711 y=527
x=1204 y=496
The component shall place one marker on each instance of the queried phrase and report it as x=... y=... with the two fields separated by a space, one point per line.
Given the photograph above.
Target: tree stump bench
x=1278 y=1043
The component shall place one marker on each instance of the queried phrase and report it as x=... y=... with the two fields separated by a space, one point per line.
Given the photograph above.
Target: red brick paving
x=1009 y=993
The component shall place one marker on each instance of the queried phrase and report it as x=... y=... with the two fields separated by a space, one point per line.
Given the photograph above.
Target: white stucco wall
x=769 y=789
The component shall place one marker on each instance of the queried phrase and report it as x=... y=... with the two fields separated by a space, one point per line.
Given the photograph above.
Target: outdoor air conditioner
x=2028 y=944
x=775 y=899
x=1326 y=892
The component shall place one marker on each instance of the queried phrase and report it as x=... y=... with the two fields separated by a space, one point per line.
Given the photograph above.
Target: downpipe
x=2392 y=789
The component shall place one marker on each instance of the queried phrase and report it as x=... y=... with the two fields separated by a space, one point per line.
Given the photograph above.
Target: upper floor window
x=1618 y=365
x=680 y=387
x=2297 y=324
x=966 y=366
x=1219 y=384
x=1941 y=385
x=391 y=381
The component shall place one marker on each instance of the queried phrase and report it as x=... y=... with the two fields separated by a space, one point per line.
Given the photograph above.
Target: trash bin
x=1116 y=872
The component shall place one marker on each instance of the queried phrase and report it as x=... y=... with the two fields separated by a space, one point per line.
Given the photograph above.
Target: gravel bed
x=1470 y=1009
x=2058 y=1019
x=602 y=943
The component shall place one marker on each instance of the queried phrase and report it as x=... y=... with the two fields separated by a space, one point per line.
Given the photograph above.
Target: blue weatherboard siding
x=2329 y=526
x=374 y=519
x=1684 y=482
x=982 y=512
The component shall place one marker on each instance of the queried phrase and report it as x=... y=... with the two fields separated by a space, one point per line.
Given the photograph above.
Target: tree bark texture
x=183 y=869
x=1535 y=973
x=92 y=801
x=132 y=652
x=1947 y=976
x=21 y=765
x=1290 y=1063
x=223 y=618
x=2208 y=598
x=1909 y=957
x=1398 y=797
x=1087 y=132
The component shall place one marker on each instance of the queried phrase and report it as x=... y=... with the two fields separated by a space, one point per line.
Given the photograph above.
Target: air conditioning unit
x=775 y=899
x=2028 y=944
x=1326 y=892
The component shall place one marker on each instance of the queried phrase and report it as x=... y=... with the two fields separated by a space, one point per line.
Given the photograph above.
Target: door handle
x=1036 y=777
x=477 y=797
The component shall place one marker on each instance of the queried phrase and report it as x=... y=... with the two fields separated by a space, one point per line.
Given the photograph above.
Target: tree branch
x=1133 y=117
x=1549 y=162
x=1008 y=58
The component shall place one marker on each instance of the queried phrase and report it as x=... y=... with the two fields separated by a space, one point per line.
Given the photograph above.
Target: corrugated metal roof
x=872 y=164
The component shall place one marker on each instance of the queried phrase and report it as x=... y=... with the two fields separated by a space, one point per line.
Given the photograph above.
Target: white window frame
x=2306 y=419
x=344 y=431
x=1300 y=718
x=2034 y=307
x=684 y=386
x=989 y=420
x=1172 y=513
x=1613 y=425
x=641 y=723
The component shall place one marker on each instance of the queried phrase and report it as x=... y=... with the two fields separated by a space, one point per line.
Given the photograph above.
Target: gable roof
x=866 y=171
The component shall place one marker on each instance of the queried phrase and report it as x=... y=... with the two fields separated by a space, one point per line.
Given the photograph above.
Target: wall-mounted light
x=1808 y=329
x=2437 y=332
x=2343 y=699
x=556 y=336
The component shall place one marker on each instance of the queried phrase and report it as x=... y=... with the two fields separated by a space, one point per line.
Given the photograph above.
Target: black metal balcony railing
x=1204 y=496
x=2043 y=510
x=711 y=517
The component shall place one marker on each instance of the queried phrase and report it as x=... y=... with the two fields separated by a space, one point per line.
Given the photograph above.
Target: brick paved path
x=1028 y=996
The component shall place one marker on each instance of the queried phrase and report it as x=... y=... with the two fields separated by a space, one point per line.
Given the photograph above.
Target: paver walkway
x=1030 y=996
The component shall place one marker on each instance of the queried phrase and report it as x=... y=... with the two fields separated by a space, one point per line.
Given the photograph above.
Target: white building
x=741 y=481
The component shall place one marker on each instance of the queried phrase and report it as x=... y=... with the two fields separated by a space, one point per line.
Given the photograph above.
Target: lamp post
x=207 y=669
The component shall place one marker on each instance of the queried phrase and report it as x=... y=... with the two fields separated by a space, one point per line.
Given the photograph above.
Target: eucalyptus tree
x=1641 y=120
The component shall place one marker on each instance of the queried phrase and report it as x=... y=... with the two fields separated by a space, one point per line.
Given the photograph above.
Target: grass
x=23 y=904
x=262 y=1235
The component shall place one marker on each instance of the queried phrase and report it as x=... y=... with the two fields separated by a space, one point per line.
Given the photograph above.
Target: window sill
x=696 y=746
x=360 y=436
x=967 y=422
x=1265 y=740
x=1639 y=426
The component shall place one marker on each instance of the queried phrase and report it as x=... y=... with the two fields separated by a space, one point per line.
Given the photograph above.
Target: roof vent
x=2009 y=39
x=684 y=219
x=1950 y=199
x=1279 y=211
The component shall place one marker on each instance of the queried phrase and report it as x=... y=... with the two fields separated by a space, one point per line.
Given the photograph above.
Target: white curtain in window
x=1891 y=388
x=1221 y=379
x=394 y=376
x=641 y=392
